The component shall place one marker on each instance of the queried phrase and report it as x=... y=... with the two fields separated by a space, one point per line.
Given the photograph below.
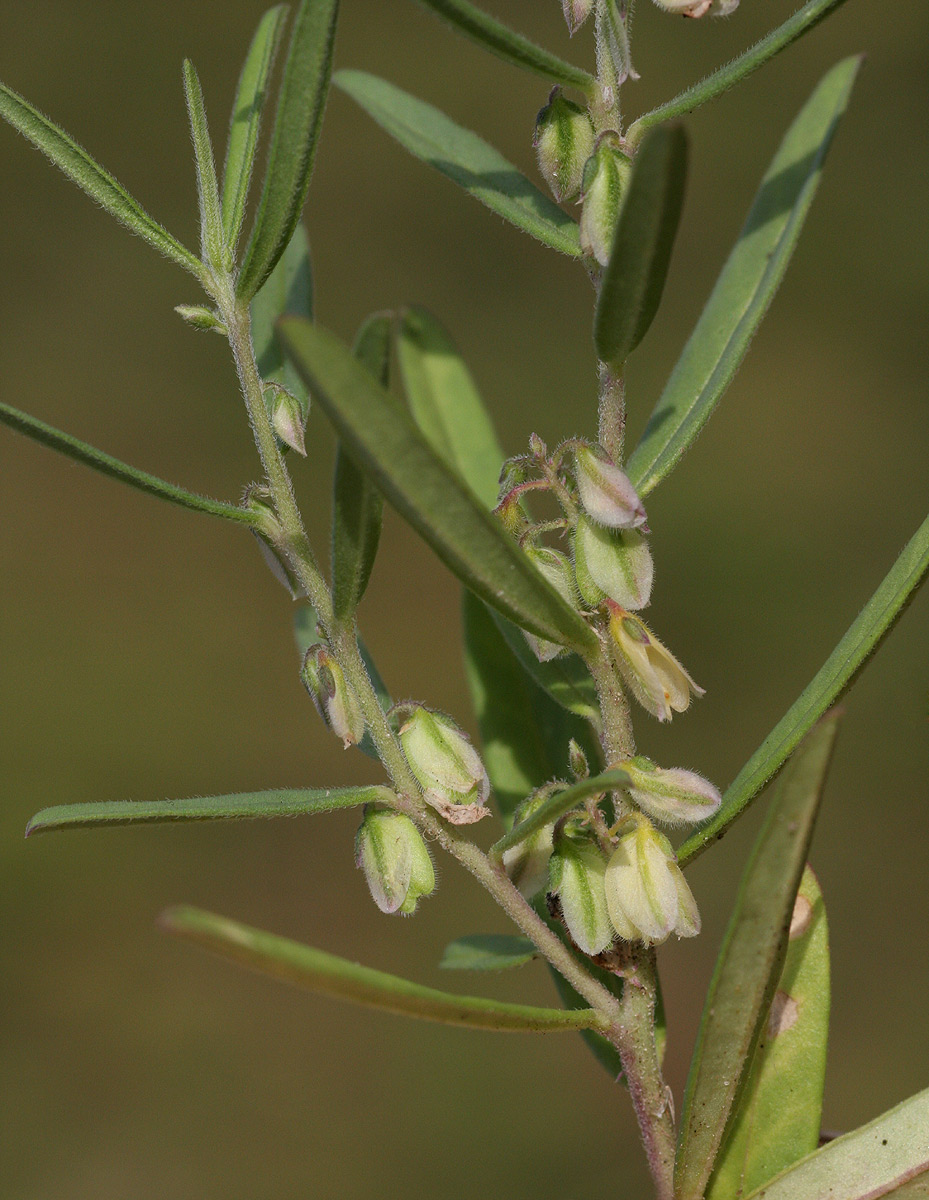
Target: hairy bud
x=201 y=317
x=670 y=795
x=612 y=562
x=576 y=13
x=391 y=852
x=440 y=755
x=564 y=140
x=647 y=895
x=577 y=871
x=604 y=178
x=607 y=495
x=335 y=701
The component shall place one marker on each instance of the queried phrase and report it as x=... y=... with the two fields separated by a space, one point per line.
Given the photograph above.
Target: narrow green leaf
x=282 y=802
x=293 y=145
x=74 y=448
x=887 y=1157
x=446 y=404
x=780 y=1115
x=357 y=505
x=732 y=73
x=247 y=108
x=838 y=673
x=288 y=289
x=750 y=962
x=464 y=157
x=747 y=284
x=81 y=169
x=212 y=238
x=634 y=278
x=524 y=733
x=436 y=502
x=556 y=806
x=566 y=679
x=487 y=952
x=474 y=23
x=329 y=975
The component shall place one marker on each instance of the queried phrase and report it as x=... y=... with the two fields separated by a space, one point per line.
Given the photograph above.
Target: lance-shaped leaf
x=293 y=144
x=90 y=456
x=734 y=72
x=247 y=108
x=494 y=36
x=746 y=286
x=464 y=157
x=288 y=289
x=212 y=237
x=487 y=952
x=780 y=1115
x=99 y=184
x=838 y=673
x=445 y=403
x=357 y=505
x=750 y=962
x=524 y=732
x=887 y=1157
x=330 y=975
x=282 y=802
x=434 y=499
x=635 y=274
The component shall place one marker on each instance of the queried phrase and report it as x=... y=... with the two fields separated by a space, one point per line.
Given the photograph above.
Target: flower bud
x=288 y=416
x=576 y=13
x=612 y=562
x=556 y=568
x=450 y=770
x=526 y=863
x=200 y=317
x=647 y=895
x=391 y=852
x=577 y=760
x=335 y=701
x=564 y=140
x=650 y=671
x=699 y=8
x=670 y=795
x=270 y=537
x=577 y=872
x=607 y=495
x=602 y=183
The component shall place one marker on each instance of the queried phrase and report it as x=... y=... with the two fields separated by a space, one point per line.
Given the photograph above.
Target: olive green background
x=146 y=651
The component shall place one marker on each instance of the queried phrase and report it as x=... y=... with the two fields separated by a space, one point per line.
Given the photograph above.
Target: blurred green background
x=146 y=651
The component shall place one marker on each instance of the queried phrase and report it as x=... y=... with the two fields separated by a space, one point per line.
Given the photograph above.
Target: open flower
x=647 y=895
x=651 y=672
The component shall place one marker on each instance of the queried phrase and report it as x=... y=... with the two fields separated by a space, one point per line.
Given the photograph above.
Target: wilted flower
x=391 y=852
x=651 y=672
x=577 y=870
x=612 y=562
x=335 y=701
x=606 y=493
x=453 y=778
x=647 y=895
x=670 y=795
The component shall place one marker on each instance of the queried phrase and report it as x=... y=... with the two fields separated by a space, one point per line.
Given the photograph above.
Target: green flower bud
x=577 y=760
x=699 y=8
x=602 y=183
x=577 y=872
x=576 y=13
x=557 y=570
x=646 y=893
x=526 y=863
x=200 y=317
x=288 y=416
x=453 y=778
x=391 y=852
x=270 y=538
x=607 y=495
x=564 y=140
x=650 y=671
x=335 y=701
x=612 y=562
x=670 y=795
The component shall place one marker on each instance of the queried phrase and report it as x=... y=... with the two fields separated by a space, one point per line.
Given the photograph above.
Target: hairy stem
x=612 y=431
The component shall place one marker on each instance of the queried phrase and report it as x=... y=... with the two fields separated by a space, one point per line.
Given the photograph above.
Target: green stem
x=612 y=426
